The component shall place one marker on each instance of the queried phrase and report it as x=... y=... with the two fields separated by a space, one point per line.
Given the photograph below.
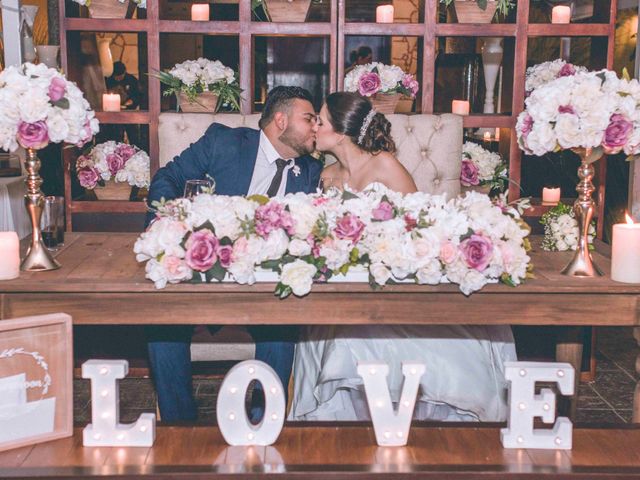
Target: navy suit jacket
x=229 y=156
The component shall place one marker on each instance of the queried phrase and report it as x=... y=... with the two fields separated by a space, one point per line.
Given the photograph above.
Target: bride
x=464 y=378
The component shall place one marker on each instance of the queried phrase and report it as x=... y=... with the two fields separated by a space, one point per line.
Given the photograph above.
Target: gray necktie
x=277 y=178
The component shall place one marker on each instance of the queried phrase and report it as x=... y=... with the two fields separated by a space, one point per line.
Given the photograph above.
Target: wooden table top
x=100 y=274
x=434 y=451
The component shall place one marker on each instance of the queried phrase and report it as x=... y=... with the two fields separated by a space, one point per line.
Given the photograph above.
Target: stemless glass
x=193 y=188
x=52 y=222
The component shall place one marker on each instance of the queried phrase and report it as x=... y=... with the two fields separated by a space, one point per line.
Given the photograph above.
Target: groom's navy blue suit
x=228 y=155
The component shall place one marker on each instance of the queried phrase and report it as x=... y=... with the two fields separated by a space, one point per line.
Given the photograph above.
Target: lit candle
x=625 y=252
x=460 y=107
x=550 y=196
x=10 y=258
x=487 y=136
x=561 y=14
x=110 y=102
x=200 y=12
x=384 y=14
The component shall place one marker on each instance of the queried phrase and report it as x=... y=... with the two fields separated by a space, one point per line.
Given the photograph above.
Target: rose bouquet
x=124 y=162
x=377 y=77
x=194 y=77
x=561 y=229
x=482 y=168
x=547 y=71
x=40 y=106
x=305 y=238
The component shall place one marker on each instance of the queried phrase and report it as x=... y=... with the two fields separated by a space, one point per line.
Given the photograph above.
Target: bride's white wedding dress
x=464 y=378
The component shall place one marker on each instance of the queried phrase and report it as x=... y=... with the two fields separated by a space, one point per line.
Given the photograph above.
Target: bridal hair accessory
x=365 y=125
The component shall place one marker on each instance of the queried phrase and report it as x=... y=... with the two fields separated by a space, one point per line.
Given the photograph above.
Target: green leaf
x=63 y=103
x=271 y=265
x=260 y=199
x=625 y=74
x=215 y=273
x=346 y=195
x=482 y=4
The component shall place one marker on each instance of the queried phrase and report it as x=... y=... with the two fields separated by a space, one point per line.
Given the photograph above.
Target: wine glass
x=193 y=188
x=327 y=185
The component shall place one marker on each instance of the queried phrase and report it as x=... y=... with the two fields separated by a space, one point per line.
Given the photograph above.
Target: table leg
x=569 y=349
x=636 y=393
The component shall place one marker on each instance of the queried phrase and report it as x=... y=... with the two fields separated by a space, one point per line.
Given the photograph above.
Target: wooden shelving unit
x=428 y=33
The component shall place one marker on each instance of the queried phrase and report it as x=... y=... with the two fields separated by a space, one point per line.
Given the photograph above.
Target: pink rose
x=566 y=109
x=448 y=252
x=87 y=134
x=201 y=250
x=384 y=211
x=272 y=216
x=88 y=177
x=410 y=84
x=477 y=251
x=225 y=253
x=33 y=135
x=115 y=163
x=175 y=268
x=125 y=151
x=617 y=133
x=369 y=84
x=409 y=222
x=527 y=125
x=349 y=227
x=57 y=88
x=469 y=173
x=567 y=70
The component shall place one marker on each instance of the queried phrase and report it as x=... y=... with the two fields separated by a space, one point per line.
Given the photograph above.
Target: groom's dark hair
x=279 y=99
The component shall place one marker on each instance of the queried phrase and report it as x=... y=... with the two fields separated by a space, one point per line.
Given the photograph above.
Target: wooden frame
x=337 y=28
x=47 y=346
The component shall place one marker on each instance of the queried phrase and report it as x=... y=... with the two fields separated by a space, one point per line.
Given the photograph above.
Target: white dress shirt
x=265 y=169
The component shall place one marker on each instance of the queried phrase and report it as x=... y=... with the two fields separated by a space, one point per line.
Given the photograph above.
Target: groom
x=242 y=161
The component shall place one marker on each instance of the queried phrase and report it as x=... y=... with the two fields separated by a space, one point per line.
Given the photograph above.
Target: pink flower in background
x=369 y=84
x=349 y=227
x=33 y=135
x=175 y=268
x=477 y=251
x=384 y=211
x=566 y=109
x=201 y=250
x=115 y=163
x=617 y=133
x=57 y=88
x=125 y=151
x=410 y=84
x=272 y=216
x=469 y=173
x=409 y=222
x=225 y=253
x=88 y=177
x=567 y=70
x=448 y=252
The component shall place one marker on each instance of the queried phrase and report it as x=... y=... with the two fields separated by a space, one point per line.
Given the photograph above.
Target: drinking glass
x=52 y=222
x=328 y=186
x=193 y=188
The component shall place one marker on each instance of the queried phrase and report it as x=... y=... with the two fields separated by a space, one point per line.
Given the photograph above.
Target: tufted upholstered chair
x=429 y=146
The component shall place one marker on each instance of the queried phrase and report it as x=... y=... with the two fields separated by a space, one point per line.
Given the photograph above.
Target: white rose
x=299 y=248
x=380 y=273
x=243 y=271
x=299 y=276
x=275 y=245
x=430 y=274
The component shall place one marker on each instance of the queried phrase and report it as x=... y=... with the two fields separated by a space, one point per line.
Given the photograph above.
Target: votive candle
x=486 y=136
x=111 y=102
x=200 y=12
x=550 y=196
x=10 y=257
x=625 y=252
x=460 y=107
x=561 y=14
x=384 y=14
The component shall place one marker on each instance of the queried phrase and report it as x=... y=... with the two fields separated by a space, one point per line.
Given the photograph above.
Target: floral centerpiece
x=305 y=238
x=545 y=72
x=109 y=8
x=40 y=106
x=591 y=113
x=482 y=168
x=125 y=163
x=202 y=85
x=561 y=230
x=384 y=84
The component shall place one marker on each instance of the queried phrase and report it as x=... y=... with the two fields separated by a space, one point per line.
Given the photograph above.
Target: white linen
x=13 y=214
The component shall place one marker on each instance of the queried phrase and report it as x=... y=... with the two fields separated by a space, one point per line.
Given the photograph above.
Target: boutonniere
x=296 y=170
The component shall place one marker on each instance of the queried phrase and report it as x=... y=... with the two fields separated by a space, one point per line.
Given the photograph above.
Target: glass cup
x=52 y=222
x=193 y=188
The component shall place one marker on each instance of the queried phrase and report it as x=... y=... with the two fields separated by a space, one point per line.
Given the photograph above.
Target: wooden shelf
x=106 y=25
x=209 y=28
x=485 y=120
x=404 y=29
x=570 y=30
x=108 y=206
x=538 y=209
x=123 y=117
x=476 y=30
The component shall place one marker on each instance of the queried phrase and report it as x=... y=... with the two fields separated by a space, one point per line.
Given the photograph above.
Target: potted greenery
x=109 y=8
x=283 y=10
x=479 y=11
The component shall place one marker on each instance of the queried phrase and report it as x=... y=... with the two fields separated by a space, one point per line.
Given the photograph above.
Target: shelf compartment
x=105 y=25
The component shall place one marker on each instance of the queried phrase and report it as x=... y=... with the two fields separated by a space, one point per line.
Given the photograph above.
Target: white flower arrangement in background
x=561 y=231
x=377 y=77
x=120 y=161
x=481 y=167
x=139 y=3
x=545 y=72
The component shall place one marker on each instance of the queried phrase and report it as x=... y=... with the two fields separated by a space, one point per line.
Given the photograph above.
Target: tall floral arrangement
x=481 y=167
x=377 y=77
x=305 y=238
x=545 y=72
x=120 y=161
x=194 y=77
x=561 y=230
x=40 y=106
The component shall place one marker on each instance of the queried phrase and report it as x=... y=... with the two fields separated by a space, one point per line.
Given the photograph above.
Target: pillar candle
x=497 y=134
x=384 y=14
x=550 y=196
x=110 y=102
x=486 y=137
x=625 y=252
x=10 y=258
x=561 y=14
x=200 y=12
x=460 y=107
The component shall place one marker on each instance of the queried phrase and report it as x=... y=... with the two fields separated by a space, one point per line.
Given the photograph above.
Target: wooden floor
x=332 y=451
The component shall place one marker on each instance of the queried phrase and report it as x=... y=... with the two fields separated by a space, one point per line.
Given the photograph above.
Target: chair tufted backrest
x=429 y=146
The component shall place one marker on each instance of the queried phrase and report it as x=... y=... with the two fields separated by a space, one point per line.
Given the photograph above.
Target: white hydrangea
x=203 y=72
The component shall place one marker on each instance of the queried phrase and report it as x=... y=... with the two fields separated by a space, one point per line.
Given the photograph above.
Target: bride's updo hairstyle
x=353 y=115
